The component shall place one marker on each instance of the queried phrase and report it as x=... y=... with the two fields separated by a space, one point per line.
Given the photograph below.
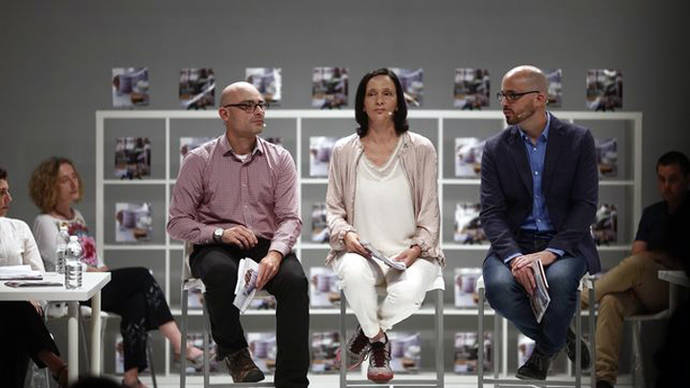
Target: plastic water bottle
x=61 y=241
x=73 y=265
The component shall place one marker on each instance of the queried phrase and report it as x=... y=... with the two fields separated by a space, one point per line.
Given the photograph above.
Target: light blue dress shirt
x=538 y=220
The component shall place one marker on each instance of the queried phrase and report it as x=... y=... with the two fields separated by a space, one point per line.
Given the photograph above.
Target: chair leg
x=183 y=345
x=149 y=355
x=480 y=341
x=637 y=355
x=207 y=329
x=343 y=341
x=440 y=366
x=82 y=334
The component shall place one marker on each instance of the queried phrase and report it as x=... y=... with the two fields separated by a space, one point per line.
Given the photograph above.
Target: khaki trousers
x=632 y=287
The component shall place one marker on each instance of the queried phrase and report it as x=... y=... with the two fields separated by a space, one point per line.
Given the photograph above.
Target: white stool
x=190 y=283
x=482 y=379
x=437 y=382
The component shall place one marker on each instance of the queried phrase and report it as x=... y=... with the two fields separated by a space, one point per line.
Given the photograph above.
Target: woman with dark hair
x=382 y=189
x=132 y=293
x=23 y=333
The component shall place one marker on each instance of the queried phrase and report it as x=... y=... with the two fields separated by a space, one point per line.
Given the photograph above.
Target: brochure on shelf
x=132 y=157
x=468 y=225
x=263 y=349
x=468 y=156
x=524 y=349
x=539 y=301
x=268 y=81
x=324 y=345
x=197 y=88
x=247 y=272
x=412 y=81
x=376 y=254
x=467 y=352
x=133 y=222
x=605 y=226
x=319 y=226
x=329 y=87
x=471 y=88
x=464 y=287
x=406 y=351
x=323 y=287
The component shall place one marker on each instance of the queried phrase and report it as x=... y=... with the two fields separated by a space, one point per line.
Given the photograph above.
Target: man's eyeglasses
x=249 y=106
x=512 y=96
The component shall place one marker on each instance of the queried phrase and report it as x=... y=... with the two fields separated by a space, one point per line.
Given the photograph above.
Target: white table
x=677 y=279
x=92 y=283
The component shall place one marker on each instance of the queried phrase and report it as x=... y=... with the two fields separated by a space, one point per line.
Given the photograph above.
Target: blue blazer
x=569 y=185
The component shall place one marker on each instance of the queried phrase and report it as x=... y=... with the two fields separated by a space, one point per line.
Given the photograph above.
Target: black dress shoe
x=571 y=347
x=604 y=384
x=536 y=367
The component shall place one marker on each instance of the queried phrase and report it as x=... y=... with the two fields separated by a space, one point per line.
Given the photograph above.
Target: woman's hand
x=409 y=255
x=352 y=244
x=37 y=306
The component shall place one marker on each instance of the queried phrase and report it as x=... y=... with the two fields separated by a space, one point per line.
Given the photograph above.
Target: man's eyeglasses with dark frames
x=512 y=96
x=249 y=106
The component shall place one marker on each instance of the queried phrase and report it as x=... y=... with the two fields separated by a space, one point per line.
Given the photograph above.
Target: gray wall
x=57 y=58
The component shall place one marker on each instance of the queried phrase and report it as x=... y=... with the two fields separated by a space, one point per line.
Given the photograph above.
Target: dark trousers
x=510 y=299
x=216 y=266
x=136 y=297
x=23 y=335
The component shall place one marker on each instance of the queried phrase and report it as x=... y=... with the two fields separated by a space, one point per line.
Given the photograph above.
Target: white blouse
x=17 y=245
x=384 y=213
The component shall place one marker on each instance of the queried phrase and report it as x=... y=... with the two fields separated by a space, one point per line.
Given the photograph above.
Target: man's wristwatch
x=218 y=235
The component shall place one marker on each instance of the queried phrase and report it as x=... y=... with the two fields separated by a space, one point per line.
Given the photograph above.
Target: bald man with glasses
x=236 y=197
x=538 y=198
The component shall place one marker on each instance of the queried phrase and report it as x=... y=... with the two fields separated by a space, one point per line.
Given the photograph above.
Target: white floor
x=451 y=381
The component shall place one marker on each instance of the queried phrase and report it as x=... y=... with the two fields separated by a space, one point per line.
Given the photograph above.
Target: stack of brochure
x=19 y=272
x=245 y=289
x=540 y=299
x=380 y=256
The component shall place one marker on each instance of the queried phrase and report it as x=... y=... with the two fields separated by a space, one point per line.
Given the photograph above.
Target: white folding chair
x=189 y=282
x=438 y=344
x=586 y=281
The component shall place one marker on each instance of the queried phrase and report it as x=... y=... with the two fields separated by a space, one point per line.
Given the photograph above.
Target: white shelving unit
x=442 y=122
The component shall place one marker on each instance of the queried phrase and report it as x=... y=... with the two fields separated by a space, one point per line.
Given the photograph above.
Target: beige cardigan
x=419 y=162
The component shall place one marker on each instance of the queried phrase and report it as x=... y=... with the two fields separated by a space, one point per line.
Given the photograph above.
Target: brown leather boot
x=242 y=368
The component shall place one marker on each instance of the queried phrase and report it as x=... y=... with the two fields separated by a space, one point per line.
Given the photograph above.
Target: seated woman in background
x=23 y=333
x=382 y=188
x=131 y=293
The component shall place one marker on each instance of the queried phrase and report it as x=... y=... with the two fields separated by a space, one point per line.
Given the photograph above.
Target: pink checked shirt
x=216 y=189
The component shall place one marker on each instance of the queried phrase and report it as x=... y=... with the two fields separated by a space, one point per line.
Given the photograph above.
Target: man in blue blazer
x=538 y=197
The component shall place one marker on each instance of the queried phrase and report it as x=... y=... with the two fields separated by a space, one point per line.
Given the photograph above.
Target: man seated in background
x=633 y=286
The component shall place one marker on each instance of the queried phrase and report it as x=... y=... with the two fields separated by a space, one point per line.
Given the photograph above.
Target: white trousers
x=404 y=290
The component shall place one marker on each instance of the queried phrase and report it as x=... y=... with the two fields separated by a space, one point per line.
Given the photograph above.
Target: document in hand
x=539 y=301
x=245 y=289
x=376 y=254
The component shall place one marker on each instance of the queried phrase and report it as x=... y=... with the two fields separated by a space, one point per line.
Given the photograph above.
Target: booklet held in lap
x=247 y=272
x=540 y=299
x=376 y=254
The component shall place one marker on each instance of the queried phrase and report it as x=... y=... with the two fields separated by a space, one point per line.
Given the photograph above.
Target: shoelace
x=359 y=343
x=379 y=354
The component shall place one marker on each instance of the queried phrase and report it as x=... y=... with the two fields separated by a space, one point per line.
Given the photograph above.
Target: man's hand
x=268 y=268
x=352 y=244
x=520 y=267
x=240 y=236
x=409 y=255
x=546 y=257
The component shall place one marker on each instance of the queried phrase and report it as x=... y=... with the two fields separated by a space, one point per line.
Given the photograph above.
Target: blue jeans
x=510 y=299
